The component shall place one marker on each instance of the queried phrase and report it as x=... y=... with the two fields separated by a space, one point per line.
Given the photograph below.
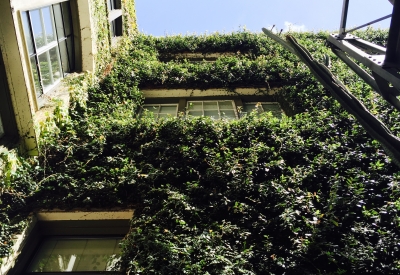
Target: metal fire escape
x=384 y=63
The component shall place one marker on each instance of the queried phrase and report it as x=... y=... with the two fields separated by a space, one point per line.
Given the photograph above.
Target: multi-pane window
x=115 y=17
x=216 y=109
x=49 y=38
x=74 y=254
x=161 y=110
x=212 y=108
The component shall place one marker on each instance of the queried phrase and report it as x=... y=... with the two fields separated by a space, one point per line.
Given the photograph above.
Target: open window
x=49 y=37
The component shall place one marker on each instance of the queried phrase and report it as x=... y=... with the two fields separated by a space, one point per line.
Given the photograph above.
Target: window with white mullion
x=49 y=37
x=213 y=108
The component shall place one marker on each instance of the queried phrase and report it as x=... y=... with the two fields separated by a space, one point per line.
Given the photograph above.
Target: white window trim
x=38 y=5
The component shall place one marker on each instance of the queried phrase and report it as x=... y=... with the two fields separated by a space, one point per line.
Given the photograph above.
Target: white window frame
x=218 y=109
x=34 y=52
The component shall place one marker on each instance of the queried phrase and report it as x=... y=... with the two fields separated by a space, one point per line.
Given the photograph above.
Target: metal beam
x=343 y=20
x=393 y=46
x=374 y=62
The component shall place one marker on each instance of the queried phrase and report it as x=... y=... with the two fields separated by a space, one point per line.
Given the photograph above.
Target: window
x=58 y=242
x=162 y=110
x=49 y=38
x=216 y=109
x=212 y=108
x=72 y=254
x=115 y=17
x=262 y=107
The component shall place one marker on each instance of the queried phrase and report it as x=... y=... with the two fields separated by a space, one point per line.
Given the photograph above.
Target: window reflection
x=215 y=109
x=49 y=39
x=48 y=23
x=59 y=254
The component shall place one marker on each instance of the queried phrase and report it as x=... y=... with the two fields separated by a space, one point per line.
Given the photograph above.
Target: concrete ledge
x=84 y=215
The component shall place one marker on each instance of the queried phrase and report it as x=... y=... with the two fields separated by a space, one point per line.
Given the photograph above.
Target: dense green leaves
x=307 y=194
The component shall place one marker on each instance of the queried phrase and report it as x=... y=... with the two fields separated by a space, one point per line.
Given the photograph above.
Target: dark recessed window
x=49 y=38
x=115 y=17
x=75 y=254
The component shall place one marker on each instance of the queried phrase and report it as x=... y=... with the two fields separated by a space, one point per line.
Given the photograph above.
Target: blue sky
x=168 y=17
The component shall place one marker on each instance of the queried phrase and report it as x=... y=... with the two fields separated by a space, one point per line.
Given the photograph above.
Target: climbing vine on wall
x=306 y=194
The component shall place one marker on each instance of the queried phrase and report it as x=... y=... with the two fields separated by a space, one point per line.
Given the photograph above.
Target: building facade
x=42 y=42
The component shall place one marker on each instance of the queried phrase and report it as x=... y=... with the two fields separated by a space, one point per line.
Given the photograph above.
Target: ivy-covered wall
x=102 y=29
x=306 y=194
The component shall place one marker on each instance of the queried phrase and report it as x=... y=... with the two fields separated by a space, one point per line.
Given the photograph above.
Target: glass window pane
x=38 y=32
x=27 y=32
x=228 y=114
x=210 y=105
x=271 y=107
x=64 y=56
x=153 y=109
x=55 y=64
x=35 y=74
x=168 y=110
x=48 y=23
x=66 y=12
x=225 y=105
x=45 y=69
x=58 y=21
x=195 y=113
x=274 y=108
x=193 y=105
x=68 y=255
x=71 y=56
x=249 y=107
x=213 y=114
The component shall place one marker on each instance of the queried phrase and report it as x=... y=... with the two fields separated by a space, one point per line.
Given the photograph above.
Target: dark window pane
x=71 y=56
x=45 y=69
x=66 y=11
x=64 y=56
x=27 y=32
x=55 y=64
x=58 y=21
x=49 y=25
x=69 y=255
x=38 y=32
x=38 y=90
x=116 y=27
